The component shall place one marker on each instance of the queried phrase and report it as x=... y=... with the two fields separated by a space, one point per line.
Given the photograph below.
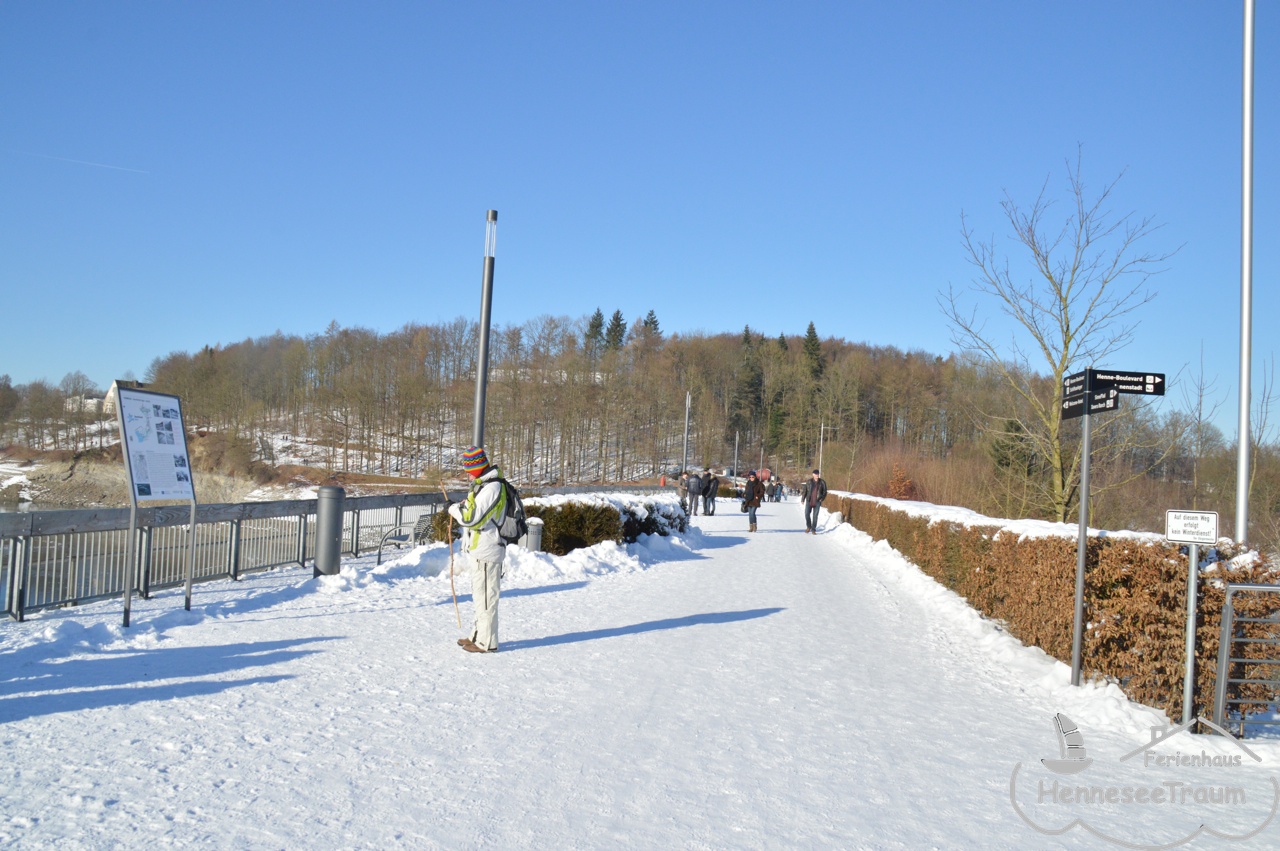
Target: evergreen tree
x=616 y=334
x=813 y=352
x=651 y=324
x=747 y=402
x=782 y=343
x=593 y=341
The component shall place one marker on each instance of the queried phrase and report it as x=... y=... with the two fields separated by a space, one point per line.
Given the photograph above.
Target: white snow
x=717 y=690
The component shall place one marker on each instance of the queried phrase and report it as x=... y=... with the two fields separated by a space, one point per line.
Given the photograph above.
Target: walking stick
x=454 y=590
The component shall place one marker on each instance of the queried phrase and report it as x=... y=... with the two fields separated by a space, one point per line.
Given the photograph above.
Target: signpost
x=154 y=444
x=1095 y=391
x=1192 y=528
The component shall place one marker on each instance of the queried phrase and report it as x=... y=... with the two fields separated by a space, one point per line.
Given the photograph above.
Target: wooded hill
x=585 y=400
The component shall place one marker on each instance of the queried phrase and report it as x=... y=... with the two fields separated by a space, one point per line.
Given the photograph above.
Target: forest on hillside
x=590 y=399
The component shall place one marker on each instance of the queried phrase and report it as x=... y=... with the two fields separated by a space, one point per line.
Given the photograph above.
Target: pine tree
x=651 y=324
x=616 y=334
x=813 y=352
x=782 y=343
x=593 y=340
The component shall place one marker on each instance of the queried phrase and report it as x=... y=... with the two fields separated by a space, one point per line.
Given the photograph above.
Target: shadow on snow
x=635 y=629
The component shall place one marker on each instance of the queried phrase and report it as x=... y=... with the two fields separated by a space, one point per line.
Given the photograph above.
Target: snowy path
x=769 y=690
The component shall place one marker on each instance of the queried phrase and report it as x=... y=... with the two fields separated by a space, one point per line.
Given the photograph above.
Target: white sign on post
x=1191 y=527
x=155 y=446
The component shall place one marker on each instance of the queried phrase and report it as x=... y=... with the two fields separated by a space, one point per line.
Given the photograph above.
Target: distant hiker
x=812 y=493
x=682 y=488
x=752 y=494
x=695 y=493
x=710 y=488
x=480 y=515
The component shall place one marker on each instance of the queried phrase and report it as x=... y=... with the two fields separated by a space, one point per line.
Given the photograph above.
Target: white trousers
x=486 y=579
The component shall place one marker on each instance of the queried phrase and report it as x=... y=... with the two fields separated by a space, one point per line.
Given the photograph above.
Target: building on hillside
x=112 y=400
x=89 y=403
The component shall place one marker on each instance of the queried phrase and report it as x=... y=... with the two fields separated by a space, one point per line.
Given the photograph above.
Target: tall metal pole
x=1082 y=547
x=1246 y=286
x=821 y=429
x=486 y=299
x=736 y=471
x=688 y=401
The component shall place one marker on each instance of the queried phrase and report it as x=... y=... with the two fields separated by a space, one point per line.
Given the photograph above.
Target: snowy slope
x=726 y=690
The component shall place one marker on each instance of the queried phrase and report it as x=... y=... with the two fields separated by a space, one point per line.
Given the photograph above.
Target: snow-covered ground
x=721 y=690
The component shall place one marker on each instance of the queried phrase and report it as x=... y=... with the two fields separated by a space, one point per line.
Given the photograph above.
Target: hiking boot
x=463 y=642
x=472 y=647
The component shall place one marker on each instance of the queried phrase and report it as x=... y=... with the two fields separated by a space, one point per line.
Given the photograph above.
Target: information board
x=155 y=446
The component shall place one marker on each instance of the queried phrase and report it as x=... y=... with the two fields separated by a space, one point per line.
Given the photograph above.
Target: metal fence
x=60 y=558
x=1248 y=676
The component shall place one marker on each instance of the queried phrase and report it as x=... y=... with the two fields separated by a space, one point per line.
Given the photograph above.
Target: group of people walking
x=702 y=488
x=699 y=489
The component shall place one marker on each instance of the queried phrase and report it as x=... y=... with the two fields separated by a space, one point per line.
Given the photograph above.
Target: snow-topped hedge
x=572 y=521
x=1022 y=573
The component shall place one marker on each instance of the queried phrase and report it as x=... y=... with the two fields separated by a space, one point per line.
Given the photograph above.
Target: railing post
x=1224 y=659
x=144 y=571
x=233 y=550
x=355 y=531
x=302 y=540
x=21 y=561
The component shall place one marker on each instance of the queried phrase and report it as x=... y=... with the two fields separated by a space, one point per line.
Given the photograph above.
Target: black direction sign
x=1135 y=383
x=1103 y=400
x=1073 y=406
x=1074 y=383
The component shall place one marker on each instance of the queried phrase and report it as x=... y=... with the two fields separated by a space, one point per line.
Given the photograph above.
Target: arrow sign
x=1073 y=406
x=1074 y=382
x=1105 y=400
x=1134 y=383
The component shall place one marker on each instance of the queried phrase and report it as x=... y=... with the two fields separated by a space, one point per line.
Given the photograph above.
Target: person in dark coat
x=710 y=487
x=812 y=493
x=752 y=494
x=695 y=493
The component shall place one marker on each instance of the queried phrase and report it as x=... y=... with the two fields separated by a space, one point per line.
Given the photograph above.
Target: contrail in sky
x=83 y=162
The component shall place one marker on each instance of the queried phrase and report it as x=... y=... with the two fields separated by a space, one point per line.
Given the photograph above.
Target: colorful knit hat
x=474 y=460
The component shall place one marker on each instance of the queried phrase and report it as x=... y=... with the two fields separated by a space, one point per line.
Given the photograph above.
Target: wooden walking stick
x=456 y=613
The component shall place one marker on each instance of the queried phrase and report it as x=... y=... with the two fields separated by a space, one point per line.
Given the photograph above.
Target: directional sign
x=1074 y=383
x=1191 y=527
x=1137 y=383
x=1073 y=406
x=1105 y=400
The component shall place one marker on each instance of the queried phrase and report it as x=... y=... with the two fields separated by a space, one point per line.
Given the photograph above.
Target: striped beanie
x=474 y=460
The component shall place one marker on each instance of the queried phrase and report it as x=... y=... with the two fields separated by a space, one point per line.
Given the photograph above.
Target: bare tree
x=1071 y=299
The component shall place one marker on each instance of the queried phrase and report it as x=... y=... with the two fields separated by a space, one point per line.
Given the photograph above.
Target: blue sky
x=180 y=174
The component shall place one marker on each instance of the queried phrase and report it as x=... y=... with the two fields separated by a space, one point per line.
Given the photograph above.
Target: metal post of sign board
x=1082 y=547
x=153 y=442
x=1244 y=439
x=1193 y=593
x=1192 y=528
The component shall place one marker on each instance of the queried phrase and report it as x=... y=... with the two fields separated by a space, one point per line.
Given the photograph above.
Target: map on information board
x=155 y=446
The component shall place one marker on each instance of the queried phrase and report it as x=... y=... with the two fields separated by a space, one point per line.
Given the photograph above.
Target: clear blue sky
x=180 y=174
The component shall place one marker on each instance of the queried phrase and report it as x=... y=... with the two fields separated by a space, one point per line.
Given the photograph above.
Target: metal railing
x=1251 y=647
x=60 y=558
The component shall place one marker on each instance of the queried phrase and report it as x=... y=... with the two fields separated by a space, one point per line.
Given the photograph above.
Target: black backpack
x=513 y=526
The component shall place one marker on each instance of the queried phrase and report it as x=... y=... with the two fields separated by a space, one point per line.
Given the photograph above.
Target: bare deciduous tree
x=1071 y=296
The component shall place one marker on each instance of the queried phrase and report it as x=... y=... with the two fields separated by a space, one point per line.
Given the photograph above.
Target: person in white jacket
x=480 y=515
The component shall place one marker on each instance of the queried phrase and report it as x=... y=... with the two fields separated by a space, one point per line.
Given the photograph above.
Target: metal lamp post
x=486 y=299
